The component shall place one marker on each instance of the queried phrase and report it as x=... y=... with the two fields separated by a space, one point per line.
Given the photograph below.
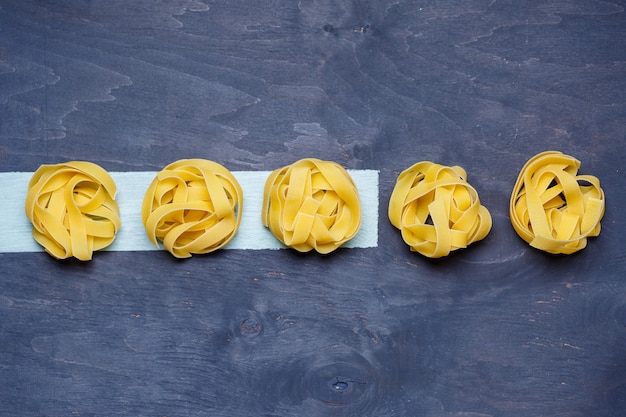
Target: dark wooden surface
x=496 y=330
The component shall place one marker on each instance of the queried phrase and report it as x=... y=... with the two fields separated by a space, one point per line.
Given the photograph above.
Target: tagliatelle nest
x=312 y=204
x=193 y=206
x=554 y=209
x=72 y=209
x=437 y=210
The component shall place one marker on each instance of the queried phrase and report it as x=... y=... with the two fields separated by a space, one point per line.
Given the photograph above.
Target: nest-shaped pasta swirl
x=72 y=209
x=437 y=210
x=554 y=209
x=311 y=204
x=193 y=206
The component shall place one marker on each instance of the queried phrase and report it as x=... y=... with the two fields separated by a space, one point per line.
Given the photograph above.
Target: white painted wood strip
x=17 y=236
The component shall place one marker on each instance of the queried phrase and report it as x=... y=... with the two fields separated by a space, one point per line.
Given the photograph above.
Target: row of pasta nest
x=194 y=206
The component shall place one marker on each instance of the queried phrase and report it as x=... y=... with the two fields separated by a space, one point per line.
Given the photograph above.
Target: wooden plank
x=496 y=329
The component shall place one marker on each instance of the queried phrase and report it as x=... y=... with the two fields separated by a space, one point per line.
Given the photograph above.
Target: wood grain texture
x=498 y=329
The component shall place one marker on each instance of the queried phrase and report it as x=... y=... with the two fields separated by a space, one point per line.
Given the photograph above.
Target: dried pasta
x=72 y=209
x=554 y=209
x=193 y=206
x=437 y=210
x=311 y=204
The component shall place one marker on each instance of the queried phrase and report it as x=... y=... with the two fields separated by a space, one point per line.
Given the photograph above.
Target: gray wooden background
x=499 y=329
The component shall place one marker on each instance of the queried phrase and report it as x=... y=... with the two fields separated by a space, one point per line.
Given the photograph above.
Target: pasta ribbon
x=72 y=209
x=193 y=206
x=554 y=209
x=437 y=210
x=311 y=204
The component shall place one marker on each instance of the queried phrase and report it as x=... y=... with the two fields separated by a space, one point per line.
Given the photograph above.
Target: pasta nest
x=437 y=210
x=72 y=209
x=193 y=206
x=554 y=209
x=311 y=204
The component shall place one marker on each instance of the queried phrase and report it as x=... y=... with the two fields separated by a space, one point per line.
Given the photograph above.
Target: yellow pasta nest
x=72 y=209
x=436 y=210
x=311 y=204
x=554 y=209
x=193 y=206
